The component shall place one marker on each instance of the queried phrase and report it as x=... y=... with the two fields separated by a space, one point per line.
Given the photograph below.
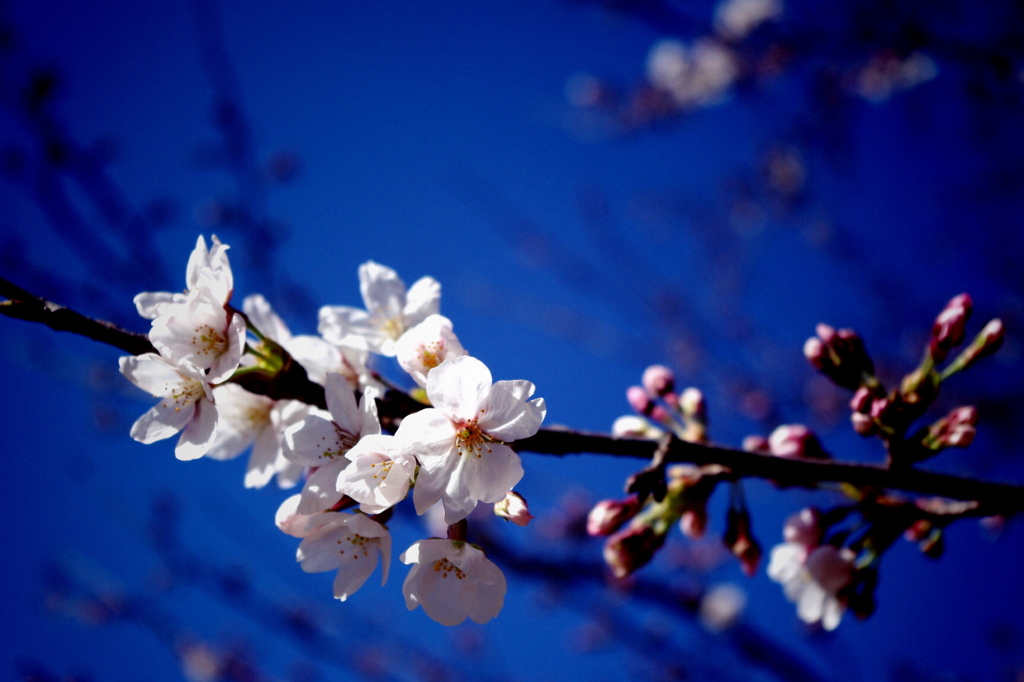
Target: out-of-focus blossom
x=697 y=76
x=887 y=73
x=200 y=331
x=795 y=441
x=390 y=311
x=736 y=19
x=452 y=580
x=721 y=607
x=632 y=426
x=631 y=548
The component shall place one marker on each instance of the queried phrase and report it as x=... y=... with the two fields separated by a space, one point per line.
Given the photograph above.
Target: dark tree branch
x=292 y=383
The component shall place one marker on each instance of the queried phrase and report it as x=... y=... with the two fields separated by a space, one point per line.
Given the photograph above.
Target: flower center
x=431 y=354
x=470 y=439
x=385 y=468
x=356 y=545
x=444 y=567
x=343 y=442
x=209 y=341
x=184 y=394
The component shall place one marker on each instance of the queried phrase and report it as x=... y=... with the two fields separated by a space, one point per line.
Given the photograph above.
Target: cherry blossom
x=349 y=543
x=426 y=346
x=390 y=311
x=379 y=475
x=207 y=269
x=452 y=580
x=322 y=439
x=514 y=508
x=186 y=404
x=200 y=331
x=249 y=420
x=460 y=442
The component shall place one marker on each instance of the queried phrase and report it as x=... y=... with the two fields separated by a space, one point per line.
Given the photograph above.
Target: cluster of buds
x=841 y=356
x=636 y=530
x=660 y=409
x=889 y=415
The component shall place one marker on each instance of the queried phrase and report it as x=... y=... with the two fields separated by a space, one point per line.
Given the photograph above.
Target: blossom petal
x=350 y=327
x=489 y=477
x=263 y=461
x=148 y=303
x=263 y=317
x=508 y=416
x=382 y=289
x=200 y=433
x=459 y=386
x=341 y=402
x=162 y=421
x=227 y=362
x=423 y=300
x=152 y=373
x=320 y=491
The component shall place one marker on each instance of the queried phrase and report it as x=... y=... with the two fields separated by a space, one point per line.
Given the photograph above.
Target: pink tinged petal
x=162 y=421
x=227 y=362
x=264 y=458
x=263 y=317
x=507 y=416
x=459 y=387
x=288 y=518
x=423 y=300
x=351 y=327
x=200 y=433
x=383 y=291
x=320 y=492
x=429 y=435
x=319 y=551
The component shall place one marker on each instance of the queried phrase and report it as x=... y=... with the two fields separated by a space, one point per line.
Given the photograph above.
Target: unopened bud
x=861 y=400
x=956 y=430
x=949 y=328
x=758 y=444
x=659 y=380
x=632 y=426
x=863 y=424
x=692 y=404
x=917 y=531
x=987 y=342
x=631 y=548
x=795 y=441
x=740 y=540
x=607 y=516
x=839 y=355
x=639 y=400
x=694 y=523
x=514 y=508
x=814 y=351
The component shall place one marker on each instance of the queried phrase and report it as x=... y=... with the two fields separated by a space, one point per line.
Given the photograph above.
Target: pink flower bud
x=607 y=516
x=514 y=508
x=831 y=567
x=840 y=355
x=814 y=351
x=987 y=342
x=917 y=531
x=795 y=441
x=659 y=380
x=950 y=325
x=861 y=400
x=659 y=414
x=694 y=523
x=639 y=400
x=631 y=548
x=758 y=444
x=826 y=333
x=740 y=540
x=863 y=424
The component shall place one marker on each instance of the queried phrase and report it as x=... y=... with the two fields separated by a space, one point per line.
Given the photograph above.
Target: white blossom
x=349 y=543
x=379 y=475
x=208 y=269
x=200 y=331
x=390 y=311
x=186 y=404
x=426 y=346
x=735 y=19
x=460 y=442
x=452 y=581
x=322 y=439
